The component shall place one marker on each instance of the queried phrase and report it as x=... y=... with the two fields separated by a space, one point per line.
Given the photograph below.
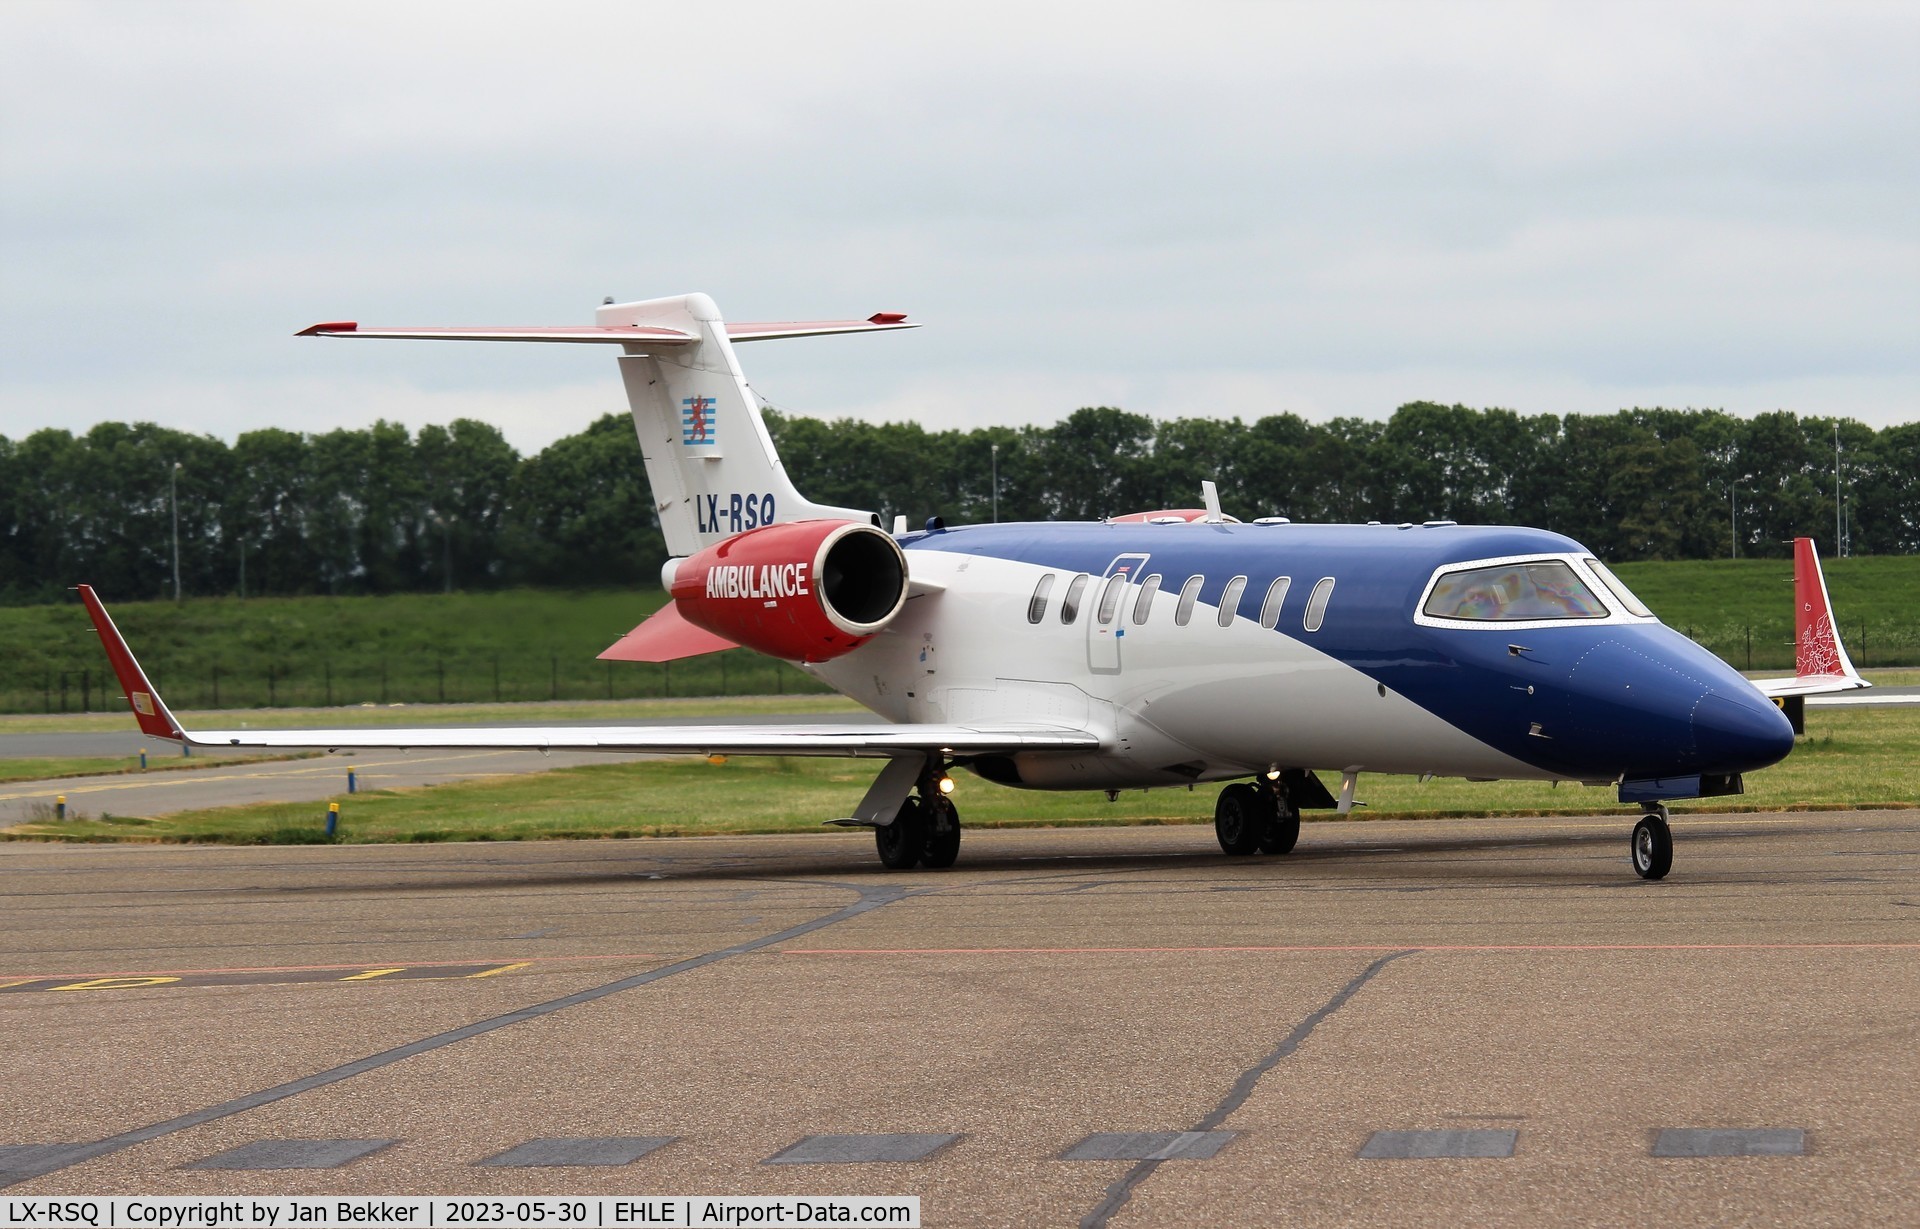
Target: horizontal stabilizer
x=666 y=636
x=631 y=334
x=648 y=336
x=879 y=322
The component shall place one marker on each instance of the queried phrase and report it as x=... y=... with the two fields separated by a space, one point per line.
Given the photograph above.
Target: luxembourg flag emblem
x=696 y=421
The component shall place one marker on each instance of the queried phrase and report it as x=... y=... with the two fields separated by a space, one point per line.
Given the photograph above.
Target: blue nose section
x=1736 y=732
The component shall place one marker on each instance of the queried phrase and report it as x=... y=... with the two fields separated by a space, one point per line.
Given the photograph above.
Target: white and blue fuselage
x=1211 y=651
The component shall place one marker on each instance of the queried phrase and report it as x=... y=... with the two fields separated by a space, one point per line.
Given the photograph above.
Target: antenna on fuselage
x=1210 y=496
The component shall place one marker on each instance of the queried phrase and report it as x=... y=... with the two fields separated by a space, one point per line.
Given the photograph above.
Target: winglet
x=148 y=708
x=1817 y=651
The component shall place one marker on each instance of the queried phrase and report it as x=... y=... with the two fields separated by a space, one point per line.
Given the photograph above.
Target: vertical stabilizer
x=710 y=461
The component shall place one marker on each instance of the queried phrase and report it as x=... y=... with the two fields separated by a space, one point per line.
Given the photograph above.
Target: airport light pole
x=446 y=539
x=1839 y=543
x=173 y=500
x=1733 y=505
x=996 y=484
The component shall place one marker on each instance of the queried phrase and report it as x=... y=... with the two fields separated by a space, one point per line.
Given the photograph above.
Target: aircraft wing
x=850 y=739
x=826 y=739
x=1820 y=661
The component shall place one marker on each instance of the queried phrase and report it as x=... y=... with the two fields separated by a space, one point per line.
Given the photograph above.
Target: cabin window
x=1317 y=604
x=1633 y=604
x=1230 y=600
x=1037 y=605
x=1143 y=605
x=1110 y=598
x=1542 y=589
x=1276 y=598
x=1070 y=605
x=1189 y=594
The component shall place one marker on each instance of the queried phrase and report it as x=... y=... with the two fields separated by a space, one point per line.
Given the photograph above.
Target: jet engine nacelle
x=801 y=591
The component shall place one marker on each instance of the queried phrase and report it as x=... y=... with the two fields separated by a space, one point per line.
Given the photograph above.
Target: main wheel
x=1283 y=831
x=1241 y=818
x=1652 y=847
x=902 y=842
x=943 y=836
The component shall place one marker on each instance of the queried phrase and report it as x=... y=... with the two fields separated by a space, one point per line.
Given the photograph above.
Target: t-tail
x=710 y=462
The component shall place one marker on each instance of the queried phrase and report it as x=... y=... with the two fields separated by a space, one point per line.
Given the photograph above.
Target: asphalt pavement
x=1401 y=1023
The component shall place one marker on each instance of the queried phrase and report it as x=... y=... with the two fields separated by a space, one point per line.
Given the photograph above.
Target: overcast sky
x=1235 y=209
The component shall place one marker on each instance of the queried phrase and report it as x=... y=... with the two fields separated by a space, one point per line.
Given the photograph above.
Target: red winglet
x=887 y=318
x=666 y=636
x=338 y=326
x=148 y=709
x=1816 y=642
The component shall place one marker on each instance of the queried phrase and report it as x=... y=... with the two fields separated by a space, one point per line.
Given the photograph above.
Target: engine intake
x=802 y=591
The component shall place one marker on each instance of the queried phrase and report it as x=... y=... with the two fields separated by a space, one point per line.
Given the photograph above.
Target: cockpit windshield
x=1541 y=589
x=1633 y=604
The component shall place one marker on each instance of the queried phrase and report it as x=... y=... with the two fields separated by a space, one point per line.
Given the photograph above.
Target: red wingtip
x=148 y=709
x=337 y=326
x=1816 y=642
x=887 y=318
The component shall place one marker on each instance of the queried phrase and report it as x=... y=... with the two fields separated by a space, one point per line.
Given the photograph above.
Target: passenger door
x=1107 y=625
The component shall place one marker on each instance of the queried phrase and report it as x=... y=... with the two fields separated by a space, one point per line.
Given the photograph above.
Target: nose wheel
x=1652 y=845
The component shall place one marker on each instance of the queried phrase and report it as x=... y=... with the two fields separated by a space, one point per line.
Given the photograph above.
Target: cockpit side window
x=1633 y=604
x=1512 y=592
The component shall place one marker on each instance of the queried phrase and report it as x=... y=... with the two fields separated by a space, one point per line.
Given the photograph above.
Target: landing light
x=946 y=785
x=1273 y=774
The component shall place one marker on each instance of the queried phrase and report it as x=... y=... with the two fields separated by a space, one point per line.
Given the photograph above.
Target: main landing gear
x=926 y=829
x=1653 y=844
x=1256 y=818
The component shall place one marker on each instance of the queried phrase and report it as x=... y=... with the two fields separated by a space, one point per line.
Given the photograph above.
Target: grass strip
x=613 y=712
x=1853 y=758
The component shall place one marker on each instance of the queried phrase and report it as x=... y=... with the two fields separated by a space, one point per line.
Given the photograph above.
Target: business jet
x=1159 y=649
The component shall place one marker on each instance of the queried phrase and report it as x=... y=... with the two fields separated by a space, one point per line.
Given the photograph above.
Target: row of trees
x=382 y=510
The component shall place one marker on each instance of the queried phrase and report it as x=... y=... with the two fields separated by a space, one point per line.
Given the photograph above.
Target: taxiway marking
x=9 y=978
x=1360 y=948
x=203 y=777
x=466 y=971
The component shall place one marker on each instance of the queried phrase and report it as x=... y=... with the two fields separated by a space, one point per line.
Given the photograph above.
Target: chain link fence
x=239 y=682
x=236 y=681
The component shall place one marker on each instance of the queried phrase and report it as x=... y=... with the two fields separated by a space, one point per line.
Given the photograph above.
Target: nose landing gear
x=1653 y=844
x=1255 y=818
